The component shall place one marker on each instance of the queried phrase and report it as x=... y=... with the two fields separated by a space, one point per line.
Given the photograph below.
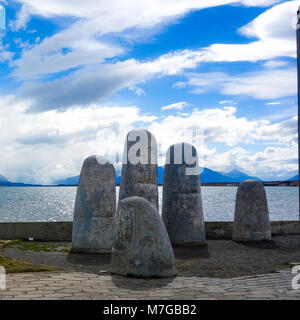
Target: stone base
x=252 y=236
x=189 y=244
x=89 y=250
x=93 y=235
x=132 y=266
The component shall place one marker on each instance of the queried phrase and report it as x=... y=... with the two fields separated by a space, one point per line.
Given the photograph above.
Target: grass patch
x=17 y=266
x=291 y=264
x=274 y=271
x=34 y=246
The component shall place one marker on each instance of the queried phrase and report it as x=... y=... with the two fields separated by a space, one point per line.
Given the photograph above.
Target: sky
x=76 y=76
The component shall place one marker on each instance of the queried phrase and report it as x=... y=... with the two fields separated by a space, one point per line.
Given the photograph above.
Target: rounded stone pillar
x=139 y=167
x=95 y=207
x=141 y=244
x=251 y=217
x=182 y=210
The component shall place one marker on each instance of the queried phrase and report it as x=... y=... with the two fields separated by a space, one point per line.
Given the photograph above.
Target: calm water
x=57 y=203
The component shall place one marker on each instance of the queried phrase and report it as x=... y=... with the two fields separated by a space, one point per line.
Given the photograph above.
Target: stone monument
x=95 y=207
x=182 y=210
x=141 y=244
x=139 y=168
x=251 y=217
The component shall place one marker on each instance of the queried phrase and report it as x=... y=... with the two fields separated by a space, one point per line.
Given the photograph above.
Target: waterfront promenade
x=80 y=285
x=221 y=270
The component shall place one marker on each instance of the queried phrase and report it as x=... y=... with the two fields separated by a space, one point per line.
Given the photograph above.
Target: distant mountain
x=5 y=183
x=211 y=176
x=18 y=184
x=2 y=178
x=71 y=181
x=206 y=176
x=239 y=176
x=295 y=177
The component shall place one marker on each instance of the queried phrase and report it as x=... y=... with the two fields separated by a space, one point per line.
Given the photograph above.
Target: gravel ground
x=219 y=259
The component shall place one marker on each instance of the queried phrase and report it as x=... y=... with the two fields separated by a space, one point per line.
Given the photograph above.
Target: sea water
x=57 y=203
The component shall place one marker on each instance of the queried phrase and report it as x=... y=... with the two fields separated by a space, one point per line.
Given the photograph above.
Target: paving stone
x=263 y=287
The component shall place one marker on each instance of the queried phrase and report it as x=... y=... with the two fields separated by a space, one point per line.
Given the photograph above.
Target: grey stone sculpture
x=141 y=244
x=251 y=217
x=182 y=210
x=95 y=207
x=139 y=168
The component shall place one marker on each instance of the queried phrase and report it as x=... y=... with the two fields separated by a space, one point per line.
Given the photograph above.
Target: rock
x=182 y=210
x=251 y=217
x=141 y=244
x=139 y=168
x=95 y=207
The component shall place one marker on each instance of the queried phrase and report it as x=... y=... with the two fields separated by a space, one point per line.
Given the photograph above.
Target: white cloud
x=22 y=18
x=5 y=54
x=266 y=164
x=175 y=106
x=275 y=103
x=32 y=145
x=95 y=83
x=275 y=64
x=264 y=84
x=85 y=44
x=222 y=125
x=227 y=102
x=41 y=147
x=82 y=47
x=275 y=31
x=132 y=13
x=137 y=90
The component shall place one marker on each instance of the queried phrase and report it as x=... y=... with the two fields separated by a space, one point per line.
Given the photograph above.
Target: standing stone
x=139 y=168
x=251 y=217
x=182 y=210
x=141 y=244
x=95 y=207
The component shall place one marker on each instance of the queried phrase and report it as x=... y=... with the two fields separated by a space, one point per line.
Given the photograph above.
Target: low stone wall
x=44 y=231
x=224 y=230
x=62 y=231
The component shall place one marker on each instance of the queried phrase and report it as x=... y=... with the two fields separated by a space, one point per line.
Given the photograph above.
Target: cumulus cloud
x=44 y=147
x=33 y=144
x=52 y=125
x=280 y=162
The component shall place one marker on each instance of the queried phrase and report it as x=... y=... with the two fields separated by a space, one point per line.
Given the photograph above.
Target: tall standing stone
x=139 y=168
x=95 y=207
x=182 y=210
x=251 y=217
x=141 y=244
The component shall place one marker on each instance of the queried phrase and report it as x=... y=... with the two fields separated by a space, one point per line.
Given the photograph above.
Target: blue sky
x=77 y=76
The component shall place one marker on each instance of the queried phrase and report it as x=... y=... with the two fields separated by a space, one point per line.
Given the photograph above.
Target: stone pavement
x=80 y=285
